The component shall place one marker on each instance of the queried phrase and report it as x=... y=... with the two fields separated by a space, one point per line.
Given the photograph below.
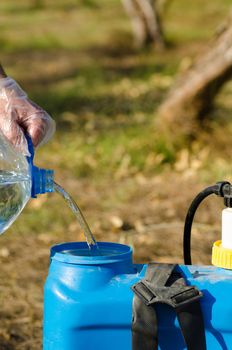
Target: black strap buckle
x=185 y=296
x=176 y=296
x=145 y=293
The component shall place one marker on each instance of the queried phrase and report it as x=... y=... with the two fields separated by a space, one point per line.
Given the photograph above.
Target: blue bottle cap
x=42 y=179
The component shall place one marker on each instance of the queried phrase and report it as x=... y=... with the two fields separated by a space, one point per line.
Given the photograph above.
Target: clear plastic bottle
x=19 y=181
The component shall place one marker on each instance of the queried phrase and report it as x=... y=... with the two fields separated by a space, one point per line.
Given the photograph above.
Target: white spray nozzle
x=227 y=228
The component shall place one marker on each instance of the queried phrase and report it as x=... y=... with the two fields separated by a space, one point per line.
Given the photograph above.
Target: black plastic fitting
x=221 y=187
x=227 y=195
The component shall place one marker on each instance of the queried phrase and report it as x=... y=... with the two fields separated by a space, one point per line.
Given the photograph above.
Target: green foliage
x=76 y=59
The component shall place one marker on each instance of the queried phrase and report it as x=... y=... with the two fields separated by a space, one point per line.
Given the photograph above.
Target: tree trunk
x=192 y=96
x=145 y=22
x=37 y=4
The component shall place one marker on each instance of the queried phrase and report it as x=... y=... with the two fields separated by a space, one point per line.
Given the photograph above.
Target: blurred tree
x=192 y=96
x=145 y=19
x=37 y=4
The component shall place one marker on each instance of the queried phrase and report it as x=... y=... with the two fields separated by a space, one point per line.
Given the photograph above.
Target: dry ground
x=76 y=59
x=151 y=219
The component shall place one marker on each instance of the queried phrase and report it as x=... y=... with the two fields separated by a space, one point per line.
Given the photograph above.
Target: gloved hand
x=19 y=115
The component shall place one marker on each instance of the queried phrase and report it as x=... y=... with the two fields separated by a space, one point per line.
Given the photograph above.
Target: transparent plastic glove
x=19 y=115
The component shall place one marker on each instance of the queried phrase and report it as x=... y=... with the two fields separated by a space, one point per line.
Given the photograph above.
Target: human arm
x=19 y=116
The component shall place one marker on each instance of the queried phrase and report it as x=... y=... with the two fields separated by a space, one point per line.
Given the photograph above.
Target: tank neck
x=72 y=253
x=91 y=271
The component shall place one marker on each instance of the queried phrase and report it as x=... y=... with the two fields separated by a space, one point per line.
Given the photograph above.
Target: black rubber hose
x=189 y=220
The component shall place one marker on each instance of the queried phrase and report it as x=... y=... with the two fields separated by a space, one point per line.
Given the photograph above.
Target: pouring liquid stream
x=92 y=244
x=15 y=190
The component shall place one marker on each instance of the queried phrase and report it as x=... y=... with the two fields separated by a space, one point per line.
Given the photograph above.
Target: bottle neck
x=42 y=181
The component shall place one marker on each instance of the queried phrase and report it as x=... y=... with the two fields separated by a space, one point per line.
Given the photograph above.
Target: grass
x=76 y=59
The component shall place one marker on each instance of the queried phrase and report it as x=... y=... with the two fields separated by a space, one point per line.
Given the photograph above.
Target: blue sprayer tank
x=88 y=301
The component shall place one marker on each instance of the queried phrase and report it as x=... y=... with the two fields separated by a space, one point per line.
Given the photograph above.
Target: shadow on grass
x=82 y=97
x=100 y=68
x=92 y=64
x=105 y=112
x=104 y=107
x=42 y=5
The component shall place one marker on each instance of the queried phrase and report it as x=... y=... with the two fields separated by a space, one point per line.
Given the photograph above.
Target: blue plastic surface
x=88 y=302
x=42 y=179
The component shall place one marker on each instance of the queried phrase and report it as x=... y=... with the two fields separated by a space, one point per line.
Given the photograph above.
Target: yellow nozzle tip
x=221 y=257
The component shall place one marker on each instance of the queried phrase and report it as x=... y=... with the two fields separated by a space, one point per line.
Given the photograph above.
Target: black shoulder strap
x=163 y=285
x=144 y=326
